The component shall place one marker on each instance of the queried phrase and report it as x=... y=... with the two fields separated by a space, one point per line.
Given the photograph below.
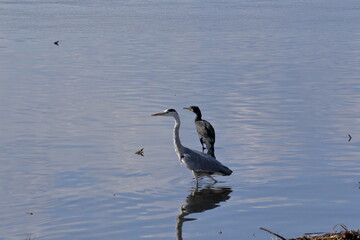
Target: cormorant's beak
x=188 y=108
x=158 y=114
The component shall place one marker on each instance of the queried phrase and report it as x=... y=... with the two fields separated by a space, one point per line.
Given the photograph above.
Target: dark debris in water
x=349 y=137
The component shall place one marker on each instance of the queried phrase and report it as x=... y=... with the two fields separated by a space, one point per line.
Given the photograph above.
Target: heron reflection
x=200 y=201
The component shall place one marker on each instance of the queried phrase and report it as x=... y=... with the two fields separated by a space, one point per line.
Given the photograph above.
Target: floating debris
x=30 y=213
x=56 y=43
x=140 y=152
x=349 y=137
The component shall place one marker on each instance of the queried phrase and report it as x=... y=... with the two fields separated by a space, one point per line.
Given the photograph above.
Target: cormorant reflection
x=200 y=201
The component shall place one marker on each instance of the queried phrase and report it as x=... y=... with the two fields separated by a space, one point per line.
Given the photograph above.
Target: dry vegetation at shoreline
x=343 y=235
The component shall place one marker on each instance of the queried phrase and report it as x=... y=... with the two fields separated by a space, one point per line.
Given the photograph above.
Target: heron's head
x=194 y=109
x=168 y=112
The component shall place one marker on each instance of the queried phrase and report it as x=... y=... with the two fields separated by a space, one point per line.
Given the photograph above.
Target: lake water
x=279 y=81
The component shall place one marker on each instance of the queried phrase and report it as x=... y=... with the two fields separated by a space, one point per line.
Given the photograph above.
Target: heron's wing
x=201 y=162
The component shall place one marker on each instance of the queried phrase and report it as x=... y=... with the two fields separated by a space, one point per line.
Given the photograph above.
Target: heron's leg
x=196 y=176
x=212 y=178
x=197 y=181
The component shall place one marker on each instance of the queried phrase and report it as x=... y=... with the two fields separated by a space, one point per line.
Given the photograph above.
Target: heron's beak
x=188 y=108
x=158 y=114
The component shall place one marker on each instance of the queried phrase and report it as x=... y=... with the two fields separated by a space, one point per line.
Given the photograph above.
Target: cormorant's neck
x=198 y=116
x=177 y=143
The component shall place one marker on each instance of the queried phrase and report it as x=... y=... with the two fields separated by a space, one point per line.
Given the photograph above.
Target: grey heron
x=205 y=131
x=199 y=163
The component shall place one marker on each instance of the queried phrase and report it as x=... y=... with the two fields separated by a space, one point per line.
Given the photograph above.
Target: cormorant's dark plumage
x=205 y=131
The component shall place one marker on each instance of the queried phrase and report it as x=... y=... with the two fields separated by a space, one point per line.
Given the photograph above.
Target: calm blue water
x=279 y=81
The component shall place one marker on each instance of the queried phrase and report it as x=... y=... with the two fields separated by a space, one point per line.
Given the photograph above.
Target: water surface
x=279 y=81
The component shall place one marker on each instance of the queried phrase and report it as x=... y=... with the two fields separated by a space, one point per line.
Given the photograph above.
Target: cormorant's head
x=194 y=109
x=168 y=112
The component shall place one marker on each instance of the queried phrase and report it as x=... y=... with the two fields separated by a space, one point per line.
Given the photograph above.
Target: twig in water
x=341 y=225
x=275 y=234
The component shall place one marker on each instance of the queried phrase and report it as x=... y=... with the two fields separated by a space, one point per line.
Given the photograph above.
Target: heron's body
x=205 y=131
x=199 y=163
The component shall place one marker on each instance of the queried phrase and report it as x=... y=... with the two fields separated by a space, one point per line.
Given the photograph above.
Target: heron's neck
x=179 y=149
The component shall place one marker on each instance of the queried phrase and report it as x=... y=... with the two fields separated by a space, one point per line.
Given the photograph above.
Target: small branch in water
x=342 y=226
x=275 y=234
